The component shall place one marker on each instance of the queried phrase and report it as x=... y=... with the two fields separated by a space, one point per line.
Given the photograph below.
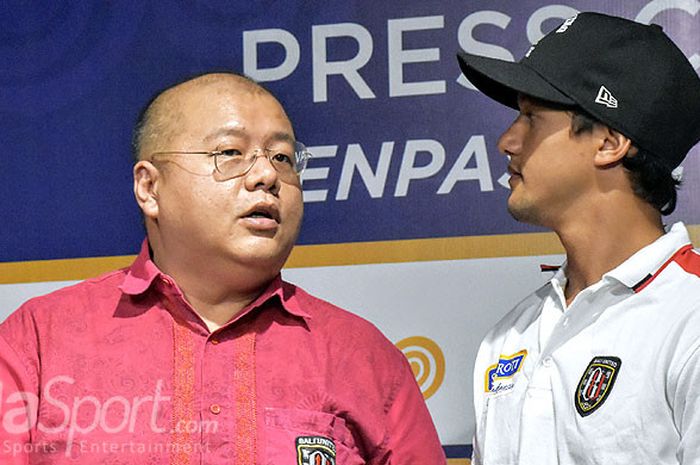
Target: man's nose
x=262 y=174
x=510 y=141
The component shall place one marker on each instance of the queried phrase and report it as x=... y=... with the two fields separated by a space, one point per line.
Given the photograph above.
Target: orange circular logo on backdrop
x=427 y=362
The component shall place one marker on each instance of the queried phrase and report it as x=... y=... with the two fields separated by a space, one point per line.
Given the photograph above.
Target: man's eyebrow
x=282 y=136
x=279 y=136
x=230 y=131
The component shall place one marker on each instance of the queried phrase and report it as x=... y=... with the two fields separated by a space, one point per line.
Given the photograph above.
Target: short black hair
x=651 y=180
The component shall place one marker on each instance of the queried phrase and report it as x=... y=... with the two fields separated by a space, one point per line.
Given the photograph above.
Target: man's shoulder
x=329 y=317
x=72 y=298
x=688 y=259
x=675 y=287
x=322 y=309
x=351 y=340
x=527 y=310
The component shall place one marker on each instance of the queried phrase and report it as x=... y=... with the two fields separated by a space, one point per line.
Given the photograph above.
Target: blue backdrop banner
x=404 y=147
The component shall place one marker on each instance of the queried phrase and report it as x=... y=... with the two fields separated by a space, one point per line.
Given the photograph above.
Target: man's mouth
x=263 y=215
x=259 y=214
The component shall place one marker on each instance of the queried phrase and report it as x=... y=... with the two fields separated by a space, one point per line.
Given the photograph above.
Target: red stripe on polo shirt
x=685 y=257
x=689 y=260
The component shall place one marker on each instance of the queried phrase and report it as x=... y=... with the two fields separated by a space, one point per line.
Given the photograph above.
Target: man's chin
x=263 y=252
x=523 y=214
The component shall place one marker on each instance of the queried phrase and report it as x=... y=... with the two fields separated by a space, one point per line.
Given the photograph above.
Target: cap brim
x=504 y=80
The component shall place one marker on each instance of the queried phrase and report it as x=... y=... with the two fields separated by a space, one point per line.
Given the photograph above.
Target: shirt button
x=547 y=361
x=215 y=409
x=215 y=341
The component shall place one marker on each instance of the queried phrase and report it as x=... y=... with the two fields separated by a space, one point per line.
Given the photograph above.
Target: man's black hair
x=651 y=180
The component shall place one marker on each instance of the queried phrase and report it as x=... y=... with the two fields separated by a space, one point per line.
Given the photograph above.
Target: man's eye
x=230 y=152
x=283 y=158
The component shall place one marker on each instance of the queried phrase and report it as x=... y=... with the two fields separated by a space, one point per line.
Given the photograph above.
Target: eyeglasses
x=231 y=162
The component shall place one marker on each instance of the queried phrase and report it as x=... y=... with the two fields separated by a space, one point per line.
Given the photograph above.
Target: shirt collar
x=287 y=295
x=143 y=272
x=643 y=264
x=558 y=282
x=646 y=261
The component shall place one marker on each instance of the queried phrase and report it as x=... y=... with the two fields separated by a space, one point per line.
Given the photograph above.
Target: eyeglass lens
x=232 y=162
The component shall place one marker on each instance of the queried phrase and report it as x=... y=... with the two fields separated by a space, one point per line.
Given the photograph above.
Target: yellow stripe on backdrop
x=354 y=253
x=458 y=462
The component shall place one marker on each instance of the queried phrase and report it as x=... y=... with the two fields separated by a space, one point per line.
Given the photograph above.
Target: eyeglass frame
x=267 y=153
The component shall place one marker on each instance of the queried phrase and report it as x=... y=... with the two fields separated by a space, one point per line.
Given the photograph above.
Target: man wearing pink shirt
x=199 y=353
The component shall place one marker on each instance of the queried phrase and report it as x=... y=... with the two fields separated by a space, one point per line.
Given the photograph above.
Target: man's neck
x=217 y=314
x=216 y=295
x=599 y=243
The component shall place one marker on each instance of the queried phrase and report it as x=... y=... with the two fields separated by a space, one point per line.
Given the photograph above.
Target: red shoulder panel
x=686 y=258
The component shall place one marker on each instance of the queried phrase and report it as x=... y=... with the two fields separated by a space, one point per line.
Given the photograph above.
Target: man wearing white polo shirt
x=602 y=364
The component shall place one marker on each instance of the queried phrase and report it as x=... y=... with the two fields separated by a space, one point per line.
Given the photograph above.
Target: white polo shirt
x=613 y=379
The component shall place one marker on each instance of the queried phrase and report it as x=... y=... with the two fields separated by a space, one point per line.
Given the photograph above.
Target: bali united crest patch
x=596 y=383
x=315 y=450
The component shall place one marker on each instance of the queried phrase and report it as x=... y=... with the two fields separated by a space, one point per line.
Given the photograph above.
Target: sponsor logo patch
x=596 y=383
x=315 y=450
x=499 y=377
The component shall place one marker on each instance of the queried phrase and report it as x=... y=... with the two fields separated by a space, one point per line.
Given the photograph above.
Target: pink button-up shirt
x=120 y=370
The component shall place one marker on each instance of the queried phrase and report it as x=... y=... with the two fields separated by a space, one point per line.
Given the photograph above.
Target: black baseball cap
x=628 y=75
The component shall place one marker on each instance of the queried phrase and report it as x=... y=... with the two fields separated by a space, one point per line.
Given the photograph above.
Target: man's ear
x=612 y=147
x=146 y=182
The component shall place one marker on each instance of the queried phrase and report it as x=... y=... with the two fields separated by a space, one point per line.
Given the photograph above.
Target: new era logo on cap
x=605 y=97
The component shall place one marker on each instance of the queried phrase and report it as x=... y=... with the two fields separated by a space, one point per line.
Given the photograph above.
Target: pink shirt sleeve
x=411 y=436
x=16 y=404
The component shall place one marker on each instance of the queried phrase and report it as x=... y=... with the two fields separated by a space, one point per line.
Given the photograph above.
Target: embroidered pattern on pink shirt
x=183 y=393
x=244 y=366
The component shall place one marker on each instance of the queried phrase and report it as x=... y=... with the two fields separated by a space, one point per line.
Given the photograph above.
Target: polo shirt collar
x=648 y=260
x=143 y=272
x=643 y=264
